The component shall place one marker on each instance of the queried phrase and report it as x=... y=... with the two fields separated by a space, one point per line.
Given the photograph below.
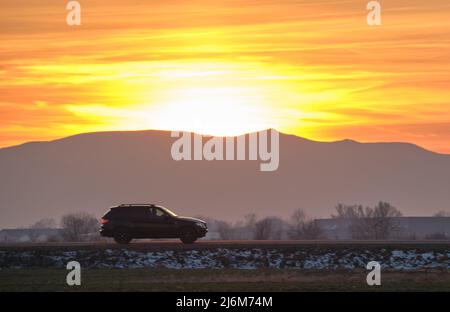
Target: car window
x=167 y=211
x=159 y=212
x=155 y=212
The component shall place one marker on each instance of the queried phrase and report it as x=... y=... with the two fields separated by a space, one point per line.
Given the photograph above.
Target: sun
x=209 y=98
x=218 y=111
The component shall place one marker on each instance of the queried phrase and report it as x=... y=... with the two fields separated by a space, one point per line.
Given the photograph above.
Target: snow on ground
x=243 y=258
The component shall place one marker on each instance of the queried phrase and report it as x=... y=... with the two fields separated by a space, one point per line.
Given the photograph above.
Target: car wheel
x=188 y=236
x=122 y=237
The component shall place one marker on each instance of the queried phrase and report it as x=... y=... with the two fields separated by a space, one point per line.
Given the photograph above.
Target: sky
x=313 y=68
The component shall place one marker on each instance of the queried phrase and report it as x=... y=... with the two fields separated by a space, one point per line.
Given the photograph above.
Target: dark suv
x=126 y=222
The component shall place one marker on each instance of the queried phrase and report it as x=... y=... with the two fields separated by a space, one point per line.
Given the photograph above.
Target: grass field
x=220 y=280
x=275 y=266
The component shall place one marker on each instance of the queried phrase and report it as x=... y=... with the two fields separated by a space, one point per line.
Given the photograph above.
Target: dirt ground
x=220 y=280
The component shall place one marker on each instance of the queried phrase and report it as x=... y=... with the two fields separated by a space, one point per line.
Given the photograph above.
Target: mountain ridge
x=93 y=171
x=205 y=135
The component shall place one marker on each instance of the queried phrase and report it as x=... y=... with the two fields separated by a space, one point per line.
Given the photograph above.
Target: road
x=212 y=244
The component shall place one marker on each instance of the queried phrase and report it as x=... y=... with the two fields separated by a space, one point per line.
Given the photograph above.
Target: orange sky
x=309 y=67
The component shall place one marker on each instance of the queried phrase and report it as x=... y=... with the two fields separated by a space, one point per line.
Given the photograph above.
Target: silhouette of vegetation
x=78 y=226
x=369 y=222
x=302 y=227
x=269 y=228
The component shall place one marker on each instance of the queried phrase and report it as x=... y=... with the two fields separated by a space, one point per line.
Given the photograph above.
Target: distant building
x=30 y=235
x=405 y=228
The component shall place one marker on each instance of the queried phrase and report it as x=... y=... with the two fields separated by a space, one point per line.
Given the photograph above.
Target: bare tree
x=250 y=220
x=311 y=230
x=76 y=226
x=303 y=228
x=297 y=223
x=269 y=228
x=279 y=228
x=225 y=229
x=263 y=229
x=381 y=220
x=347 y=211
x=369 y=223
x=355 y=217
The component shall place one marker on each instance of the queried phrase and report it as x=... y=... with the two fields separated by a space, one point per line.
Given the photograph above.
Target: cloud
x=316 y=64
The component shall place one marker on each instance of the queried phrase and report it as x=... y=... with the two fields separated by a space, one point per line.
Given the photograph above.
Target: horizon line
x=222 y=136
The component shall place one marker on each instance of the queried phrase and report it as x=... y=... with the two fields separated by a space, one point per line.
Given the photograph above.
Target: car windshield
x=167 y=211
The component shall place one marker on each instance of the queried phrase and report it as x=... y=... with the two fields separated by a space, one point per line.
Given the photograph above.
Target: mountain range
x=93 y=171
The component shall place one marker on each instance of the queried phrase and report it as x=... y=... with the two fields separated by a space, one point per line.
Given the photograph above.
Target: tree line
x=364 y=223
x=75 y=227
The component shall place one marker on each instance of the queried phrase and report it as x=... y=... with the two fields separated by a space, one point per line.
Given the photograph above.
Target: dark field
x=227 y=266
x=220 y=280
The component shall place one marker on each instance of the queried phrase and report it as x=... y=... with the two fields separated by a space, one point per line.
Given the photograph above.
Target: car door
x=166 y=223
x=152 y=224
x=141 y=227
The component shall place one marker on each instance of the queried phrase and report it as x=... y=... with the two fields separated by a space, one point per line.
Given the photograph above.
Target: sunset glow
x=310 y=68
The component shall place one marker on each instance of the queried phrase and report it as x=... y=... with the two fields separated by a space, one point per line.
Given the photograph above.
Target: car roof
x=132 y=205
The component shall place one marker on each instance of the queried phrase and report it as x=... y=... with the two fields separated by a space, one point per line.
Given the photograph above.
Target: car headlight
x=201 y=224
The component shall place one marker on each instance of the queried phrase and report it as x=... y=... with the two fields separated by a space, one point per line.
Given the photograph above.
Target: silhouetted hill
x=90 y=172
